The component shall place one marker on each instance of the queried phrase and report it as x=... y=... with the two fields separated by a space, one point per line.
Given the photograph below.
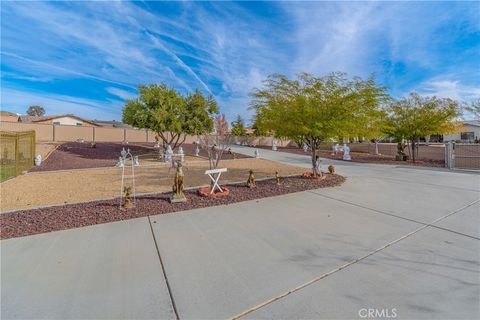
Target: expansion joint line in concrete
x=172 y=301
x=400 y=217
x=346 y=265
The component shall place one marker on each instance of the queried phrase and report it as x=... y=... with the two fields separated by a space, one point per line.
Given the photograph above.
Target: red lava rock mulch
x=365 y=157
x=27 y=222
x=205 y=192
x=78 y=155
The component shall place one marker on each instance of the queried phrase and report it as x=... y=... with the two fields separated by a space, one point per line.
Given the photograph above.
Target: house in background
x=469 y=132
x=7 y=116
x=65 y=119
x=112 y=124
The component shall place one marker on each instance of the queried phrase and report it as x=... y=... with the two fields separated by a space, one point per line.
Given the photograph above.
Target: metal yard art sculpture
x=127 y=193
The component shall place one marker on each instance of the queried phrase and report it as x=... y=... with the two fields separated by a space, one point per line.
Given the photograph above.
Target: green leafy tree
x=172 y=116
x=258 y=131
x=35 y=111
x=312 y=110
x=415 y=117
x=238 y=127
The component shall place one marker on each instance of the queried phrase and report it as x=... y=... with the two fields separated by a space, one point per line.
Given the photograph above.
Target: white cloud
x=229 y=48
x=449 y=89
x=123 y=94
x=18 y=101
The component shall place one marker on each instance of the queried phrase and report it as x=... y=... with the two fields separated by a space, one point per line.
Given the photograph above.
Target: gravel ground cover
x=364 y=157
x=78 y=155
x=60 y=187
x=45 y=148
x=28 y=222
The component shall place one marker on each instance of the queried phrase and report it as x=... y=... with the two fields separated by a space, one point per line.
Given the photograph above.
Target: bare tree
x=217 y=142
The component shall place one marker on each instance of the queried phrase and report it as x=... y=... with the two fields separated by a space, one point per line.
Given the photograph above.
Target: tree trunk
x=413 y=150
x=315 y=165
x=417 y=147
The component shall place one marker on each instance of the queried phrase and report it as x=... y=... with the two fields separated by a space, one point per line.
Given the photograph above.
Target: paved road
x=401 y=241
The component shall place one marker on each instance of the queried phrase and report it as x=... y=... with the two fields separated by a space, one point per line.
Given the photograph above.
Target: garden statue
x=181 y=153
x=346 y=152
x=38 y=159
x=123 y=153
x=336 y=148
x=157 y=142
x=256 y=153
x=274 y=145
x=168 y=153
x=401 y=156
x=305 y=147
x=128 y=197
x=197 y=150
x=331 y=169
x=178 y=195
x=277 y=178
x=135 y=161
x=251 y=180
x=120 y=163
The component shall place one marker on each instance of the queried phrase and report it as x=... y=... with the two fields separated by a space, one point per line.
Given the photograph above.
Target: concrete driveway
x=392 y=242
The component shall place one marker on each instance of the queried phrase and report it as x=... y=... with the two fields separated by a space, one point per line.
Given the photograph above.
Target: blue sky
x=86 y=58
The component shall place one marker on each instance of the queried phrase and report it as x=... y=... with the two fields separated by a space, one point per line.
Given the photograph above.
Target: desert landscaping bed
x=80 y=155
x=34 y=221
x=365 y=157
x=60 y=187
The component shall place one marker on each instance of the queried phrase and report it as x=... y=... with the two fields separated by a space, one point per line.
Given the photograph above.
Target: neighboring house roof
x=33 y=118
x=8 y=113
x=113 y=123
x=53 y=117
x=475 y=123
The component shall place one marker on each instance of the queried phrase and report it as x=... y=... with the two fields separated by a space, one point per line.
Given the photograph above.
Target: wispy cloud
x=101 y=51
x=449 y=89
x=19 y=100
x=123 y=94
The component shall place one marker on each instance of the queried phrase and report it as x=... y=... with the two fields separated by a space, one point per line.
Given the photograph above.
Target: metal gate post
x=445 y=154
x=453 y=156
x=450 y=155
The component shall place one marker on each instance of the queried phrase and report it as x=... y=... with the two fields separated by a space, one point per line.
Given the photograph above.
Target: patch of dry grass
x=60 y=187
